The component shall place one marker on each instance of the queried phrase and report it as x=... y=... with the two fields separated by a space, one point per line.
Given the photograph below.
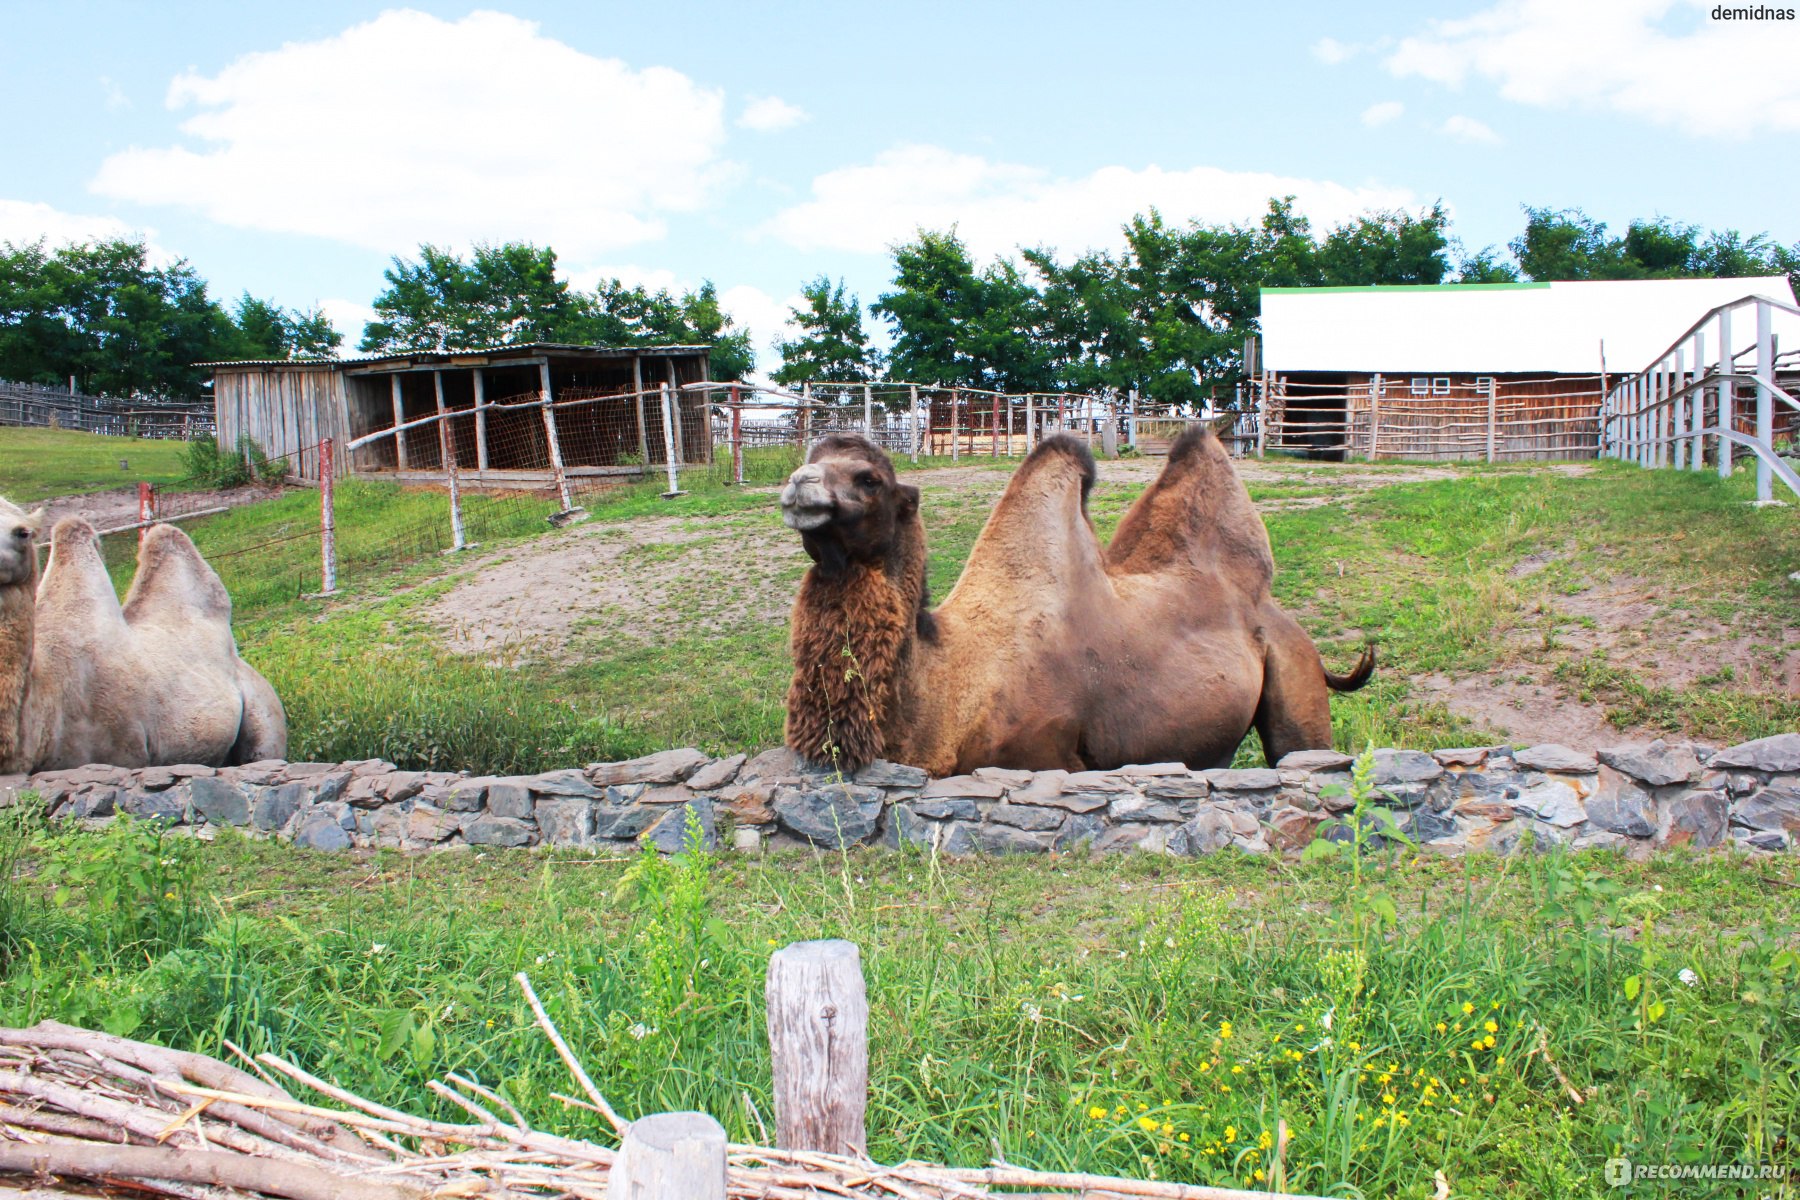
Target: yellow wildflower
x=1491 y=1027
x=1147 y=1124
x=1231 y=1133
x=1442 y=1028
x=1467 y=1008
x=1097 y=1113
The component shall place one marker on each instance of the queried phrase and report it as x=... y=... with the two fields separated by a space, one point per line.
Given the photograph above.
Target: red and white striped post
x=146 y=510
x=327 y=520
x=737 y=436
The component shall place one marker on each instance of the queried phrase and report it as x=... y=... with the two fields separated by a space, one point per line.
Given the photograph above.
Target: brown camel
x=156 y=681
x=1052 y=651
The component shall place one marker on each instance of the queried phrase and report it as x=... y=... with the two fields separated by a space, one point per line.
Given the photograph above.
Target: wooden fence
x=30 y=405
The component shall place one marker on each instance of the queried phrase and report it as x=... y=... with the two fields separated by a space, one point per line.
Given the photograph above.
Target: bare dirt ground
x=119 y=507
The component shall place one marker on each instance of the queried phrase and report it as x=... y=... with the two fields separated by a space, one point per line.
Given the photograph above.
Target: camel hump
x=1068 y=446
x=173 y=581
x=1197 y=513
x=76 y=590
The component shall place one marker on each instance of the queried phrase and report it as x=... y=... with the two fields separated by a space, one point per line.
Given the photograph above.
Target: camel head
x=18 y=543
x=847 y=504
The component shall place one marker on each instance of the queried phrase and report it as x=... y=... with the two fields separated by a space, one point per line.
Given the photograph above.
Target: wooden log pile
x=87 y=1113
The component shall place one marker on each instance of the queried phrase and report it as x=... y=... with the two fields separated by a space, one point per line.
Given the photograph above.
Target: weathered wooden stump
x=670 y=1156
x=819 y=1041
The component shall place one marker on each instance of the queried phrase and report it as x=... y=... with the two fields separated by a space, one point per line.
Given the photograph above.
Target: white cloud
x=348 y=317
x=25 y=221
x=653 y=279
x=1380 y=114
x=1468 y=129
x=407 y=129
x=116 y=99
x=1330 y=50
x=770 y=114
x=1665 y=61
x=762 y=314
x=998 y=207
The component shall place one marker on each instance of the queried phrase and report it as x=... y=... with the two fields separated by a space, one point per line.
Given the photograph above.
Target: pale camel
x=1052 y=651
x=156 y=681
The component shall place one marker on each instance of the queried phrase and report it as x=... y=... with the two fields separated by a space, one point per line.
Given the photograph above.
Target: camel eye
x=867 y=479
x=22 y=533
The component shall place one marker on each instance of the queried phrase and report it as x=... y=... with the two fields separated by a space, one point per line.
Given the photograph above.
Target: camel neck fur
x=854 y=634
x=18 y=627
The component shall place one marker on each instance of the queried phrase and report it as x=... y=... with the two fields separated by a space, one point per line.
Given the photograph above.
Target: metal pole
x=399 y=420
x=447 y=455
x=868 y=412
x=556 y=458
x=737 y=436
x=1727 y=391
x=1131 y=420
x=670 y=453
x=1765 y=399
x=327 y=519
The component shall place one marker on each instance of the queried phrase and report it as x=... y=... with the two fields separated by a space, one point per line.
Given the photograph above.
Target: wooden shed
x=1503 y=371
x=604 y=421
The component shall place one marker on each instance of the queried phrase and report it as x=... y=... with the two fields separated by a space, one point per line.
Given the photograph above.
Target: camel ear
x=909 y=499
x=35 y=520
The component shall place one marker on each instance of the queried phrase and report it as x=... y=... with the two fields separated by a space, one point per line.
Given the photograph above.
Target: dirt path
x=118 y=507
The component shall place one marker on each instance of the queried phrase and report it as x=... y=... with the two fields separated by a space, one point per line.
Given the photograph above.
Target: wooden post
x=819 y=1046
x=918 y=430
x=955 y=422
x=737 y=436
x=481 y=446
x=1727 y=391
x=327 y=519
x=672 y=452
x=399 y=420
x=1131 y=420
x=868 y=412
x=1374 y=415
x=1678 y=448
x=805 y=420
x=637 y=395
x=1030 y=420
x=1765 y=399
x=994 y=429
x=146 y=509
x=1493 y=404
x=556 y=458
x=670 y=1156
x=447 y=459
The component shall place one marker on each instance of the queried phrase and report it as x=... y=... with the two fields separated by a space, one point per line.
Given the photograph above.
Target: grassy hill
x=36 y=464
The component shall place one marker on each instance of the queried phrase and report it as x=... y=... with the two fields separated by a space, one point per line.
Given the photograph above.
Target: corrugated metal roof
x=1502 y=328
x=528 y=350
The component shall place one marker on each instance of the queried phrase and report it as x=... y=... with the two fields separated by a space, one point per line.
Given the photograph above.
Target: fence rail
x=28 y=405
x=1697 y=394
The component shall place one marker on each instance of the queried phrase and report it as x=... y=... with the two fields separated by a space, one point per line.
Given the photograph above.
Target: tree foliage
x=832 y=346
x=1569 y=244
x=512 y=295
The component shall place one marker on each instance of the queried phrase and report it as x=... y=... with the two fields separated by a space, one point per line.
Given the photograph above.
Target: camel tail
x=1359 y=674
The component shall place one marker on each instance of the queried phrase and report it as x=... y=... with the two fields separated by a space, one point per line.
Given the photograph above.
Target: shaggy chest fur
x=17 y=627
x=848 y=637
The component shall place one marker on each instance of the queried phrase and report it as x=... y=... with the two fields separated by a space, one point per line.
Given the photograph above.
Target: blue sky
x=292 y=150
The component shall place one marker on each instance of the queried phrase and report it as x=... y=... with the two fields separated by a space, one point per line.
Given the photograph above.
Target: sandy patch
x=119 y=506
x=1528 y=713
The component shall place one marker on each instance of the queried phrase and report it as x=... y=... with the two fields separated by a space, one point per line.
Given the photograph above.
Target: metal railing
x=1696 y=390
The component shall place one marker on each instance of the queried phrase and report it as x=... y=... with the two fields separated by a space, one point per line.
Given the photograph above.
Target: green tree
x=832 y=346
x=1388 y=248
x=267 y=330
x=504 y=295
x=954 y=325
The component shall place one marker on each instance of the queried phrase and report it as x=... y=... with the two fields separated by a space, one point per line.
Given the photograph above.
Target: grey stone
x=1591 y=838
x=467 y=795
x=1151 y=839
x=400 y=785
x=1294 y=827
x=1153 y=770
x=492 y=830
x=1461 y=756
x=1096 y=781
x=956 y=839
x=1778 y=753
x=560 y=783
x=1769 y=839
x=955 y=808
x=333 y=810
x=1075 y=802
x=668 y=766
x=719 y=773
x=1005 y=776
x=1509 y=838
x=1657 y=764
x=169 y=806
x=1004 y=839
x=1137 y=809
x=1208 y=833
x=297 y=770
x=1552 y=801
x=1554 y=757
x=831 y=816
x=320 y=832
x=1621 y=806
x=274 y=807
x=1697 y=819
x=1776 y=807
x=1423 y=825
x=1314 y=760
x=90 y=803
x=1253 y=779
x=901 y=826
x=426 y=823
x=616 y=823
x=625 y=793
x=220 y=802
x=565 y=820
x=964 y=785
x=1044 y=787
x=1399 y=767
x=1186 y=787
x=75 y=777
x=668 y=793
x=779 y=765
x=1080 y=830
x=155 y=779
x=1021 y=816
x=328 y=788
x=510 y=799
x=670 y=833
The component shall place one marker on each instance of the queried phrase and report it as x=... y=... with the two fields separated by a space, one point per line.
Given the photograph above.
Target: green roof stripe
x=1410 y=287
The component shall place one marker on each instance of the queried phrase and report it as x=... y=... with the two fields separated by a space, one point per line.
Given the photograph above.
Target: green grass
x=36 y=464
x=1064 y=1013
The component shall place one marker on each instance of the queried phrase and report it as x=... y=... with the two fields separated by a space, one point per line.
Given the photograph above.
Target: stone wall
x=1631 y=797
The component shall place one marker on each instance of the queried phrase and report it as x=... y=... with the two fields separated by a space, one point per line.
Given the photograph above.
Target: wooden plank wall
x=285 y=411
x=1535 y=417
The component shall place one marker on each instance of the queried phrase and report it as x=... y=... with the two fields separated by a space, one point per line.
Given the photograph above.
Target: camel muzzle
x=806 y=503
